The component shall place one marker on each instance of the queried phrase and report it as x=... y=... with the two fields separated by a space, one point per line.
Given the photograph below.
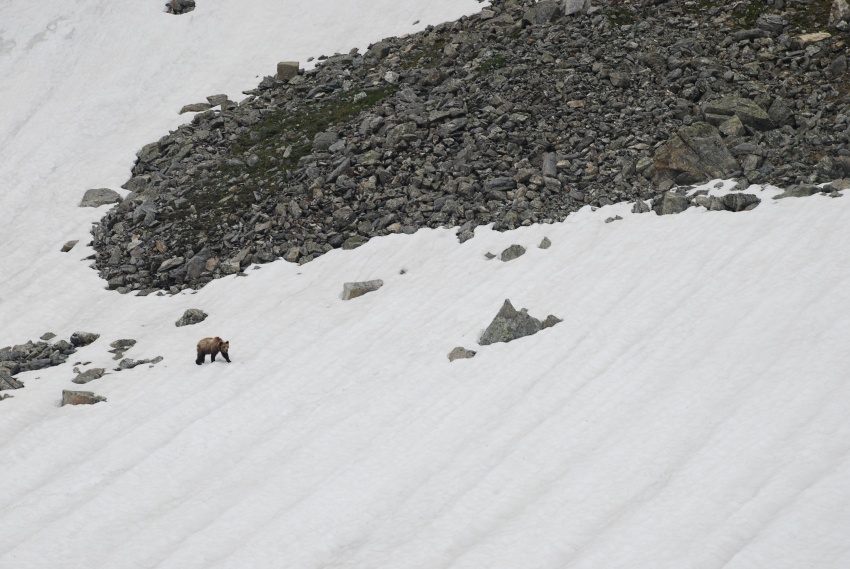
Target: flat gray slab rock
x=746 y=110
x=89 y=375
x=97 y=197
x=80 y=398
x=355 y=289
x=509 y=325
x=7 y=381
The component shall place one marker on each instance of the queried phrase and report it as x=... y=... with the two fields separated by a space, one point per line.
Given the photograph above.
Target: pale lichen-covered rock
x=287 y=69
x=80 y=398
x=460 y=353
x=355 y=289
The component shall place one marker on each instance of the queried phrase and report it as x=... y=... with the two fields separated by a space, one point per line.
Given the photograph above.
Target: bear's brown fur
x=212 y=346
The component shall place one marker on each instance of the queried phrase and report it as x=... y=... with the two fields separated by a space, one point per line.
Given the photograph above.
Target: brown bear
x=212 y=346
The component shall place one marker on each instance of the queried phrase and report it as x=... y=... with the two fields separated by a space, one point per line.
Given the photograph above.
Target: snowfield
x=689 y=412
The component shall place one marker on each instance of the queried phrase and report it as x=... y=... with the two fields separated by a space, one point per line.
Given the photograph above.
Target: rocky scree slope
x=516 y=115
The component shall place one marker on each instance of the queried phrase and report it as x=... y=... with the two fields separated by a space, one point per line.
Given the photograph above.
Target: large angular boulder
x=839 y=12
x=576 y=7
x=749 y=113
x=355 y=289
x=542 y=13
x=509 y=325
x=695 y=154
x=512 y=252
x=287 y=69
x=670 y=203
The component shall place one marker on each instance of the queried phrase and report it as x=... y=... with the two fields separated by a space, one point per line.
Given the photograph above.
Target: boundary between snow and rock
x=516 y=115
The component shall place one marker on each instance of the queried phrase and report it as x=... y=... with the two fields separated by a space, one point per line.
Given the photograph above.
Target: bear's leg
x=225 y=356
x=201 y=357
x=212 y=356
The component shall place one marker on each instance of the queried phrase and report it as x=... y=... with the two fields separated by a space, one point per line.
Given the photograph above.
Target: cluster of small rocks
x=38 y=355
x=520 y=114
x=179 y=6
x=119 y=348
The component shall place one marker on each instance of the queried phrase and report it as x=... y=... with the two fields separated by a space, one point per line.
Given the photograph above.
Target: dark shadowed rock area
x=519 y=114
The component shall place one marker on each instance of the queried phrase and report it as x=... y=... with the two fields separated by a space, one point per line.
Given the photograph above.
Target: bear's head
x=224 y=347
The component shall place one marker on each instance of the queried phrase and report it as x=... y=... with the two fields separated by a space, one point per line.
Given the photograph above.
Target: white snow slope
x=689 y=412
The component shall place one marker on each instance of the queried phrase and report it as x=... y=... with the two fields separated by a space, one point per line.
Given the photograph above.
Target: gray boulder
x=509 y=325
x=287 y=69
x=215 y=100
x=354 y=242
x=460 y=353
x=89 y=375
x=746 y=110
x=80 y=398
x=695 y=154
x=576 y=7
x=740 y=202
x=69 y=245
x=512 y=253
x=542 y=13
x=355 y=289
x=545 y=244
x=799 y=191
x=97 y=197
x=191 y=316
x=79 y=339
x=670 y=203
x=641 y=207
x=324 y=140
x=378 y=51
x=839 y=12
x=179 y=6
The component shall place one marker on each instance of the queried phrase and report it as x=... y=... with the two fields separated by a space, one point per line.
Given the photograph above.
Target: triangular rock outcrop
x=695 y=154
x=509 y=325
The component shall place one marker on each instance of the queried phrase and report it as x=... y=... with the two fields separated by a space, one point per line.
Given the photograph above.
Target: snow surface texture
x=690 y=411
